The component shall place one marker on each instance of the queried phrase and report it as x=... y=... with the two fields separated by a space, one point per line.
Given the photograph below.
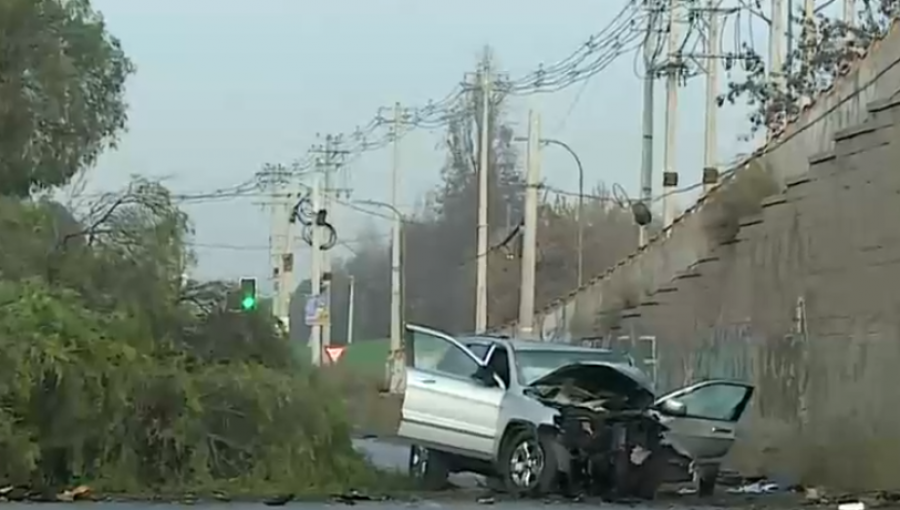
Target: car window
x=536 y=363
x=437 y=354
x=714 y=402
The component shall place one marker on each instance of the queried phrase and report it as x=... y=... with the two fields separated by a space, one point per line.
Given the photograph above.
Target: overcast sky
x=223 y=87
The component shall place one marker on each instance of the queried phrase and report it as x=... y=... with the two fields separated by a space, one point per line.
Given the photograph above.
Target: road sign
x=316 y=312
x=335 y=353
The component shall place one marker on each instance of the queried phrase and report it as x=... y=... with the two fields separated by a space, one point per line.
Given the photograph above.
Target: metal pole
x=712 y=91
x=315 y=272
x=529 y=241
x=484 y=149
x=350 y=310
x=670 y=177
x=580 y=214
x=647 y=123
x=395 y=362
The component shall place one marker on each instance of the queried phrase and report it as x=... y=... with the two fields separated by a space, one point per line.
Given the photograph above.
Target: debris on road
x=759 y=487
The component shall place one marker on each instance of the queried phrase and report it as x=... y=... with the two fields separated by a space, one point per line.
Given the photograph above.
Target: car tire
x=706 y=481
x=428 y=468
x=528 y=464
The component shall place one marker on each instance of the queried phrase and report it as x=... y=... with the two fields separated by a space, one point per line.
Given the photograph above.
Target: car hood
x=598 y=377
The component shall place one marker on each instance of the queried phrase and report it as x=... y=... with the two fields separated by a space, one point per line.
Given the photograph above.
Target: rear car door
x=705 y=429
x=444 y=406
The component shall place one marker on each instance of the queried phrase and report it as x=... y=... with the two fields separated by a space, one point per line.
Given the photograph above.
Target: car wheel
x=528 y=464
x=428 y=468
x=706 y=480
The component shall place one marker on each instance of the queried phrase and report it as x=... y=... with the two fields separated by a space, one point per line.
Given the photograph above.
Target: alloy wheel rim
x=526 y=464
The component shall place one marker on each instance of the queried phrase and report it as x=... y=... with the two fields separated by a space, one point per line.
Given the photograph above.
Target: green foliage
x=62 y=80
x=116 y=370
x=825 y=50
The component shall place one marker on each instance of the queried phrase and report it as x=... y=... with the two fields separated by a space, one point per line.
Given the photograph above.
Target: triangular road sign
x=335 y=353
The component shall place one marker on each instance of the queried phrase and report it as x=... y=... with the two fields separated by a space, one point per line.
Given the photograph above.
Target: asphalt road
x=393 y=456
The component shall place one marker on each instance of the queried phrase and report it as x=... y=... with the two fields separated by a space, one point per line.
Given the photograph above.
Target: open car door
x=703 y=429
x=451 y=401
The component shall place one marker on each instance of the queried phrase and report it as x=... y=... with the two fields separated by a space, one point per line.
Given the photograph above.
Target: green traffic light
x=248 y=303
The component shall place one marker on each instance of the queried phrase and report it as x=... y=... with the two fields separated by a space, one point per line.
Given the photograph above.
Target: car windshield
x=536 y=363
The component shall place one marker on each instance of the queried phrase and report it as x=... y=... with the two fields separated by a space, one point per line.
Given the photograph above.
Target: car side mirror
x=673 y=408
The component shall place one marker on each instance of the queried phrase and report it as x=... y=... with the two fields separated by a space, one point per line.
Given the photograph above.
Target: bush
x=116 y=371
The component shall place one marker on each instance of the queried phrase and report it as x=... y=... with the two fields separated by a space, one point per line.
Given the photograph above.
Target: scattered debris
x=279 y=500
x=760 y=487
x=856 y=505
x=489 y=500
x=352 y=497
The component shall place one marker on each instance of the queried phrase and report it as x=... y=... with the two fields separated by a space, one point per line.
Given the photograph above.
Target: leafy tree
x=826 y=47
x=62 y=80
x=118 y=371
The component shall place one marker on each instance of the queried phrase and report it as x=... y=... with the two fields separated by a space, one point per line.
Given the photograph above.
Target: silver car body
x=447 y=409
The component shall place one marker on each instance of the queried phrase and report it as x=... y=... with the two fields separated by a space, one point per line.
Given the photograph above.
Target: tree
x=119 y=371
x=62 y=81
x=825 y=51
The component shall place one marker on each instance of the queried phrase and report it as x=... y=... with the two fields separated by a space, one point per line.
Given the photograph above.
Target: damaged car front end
x=609 y=444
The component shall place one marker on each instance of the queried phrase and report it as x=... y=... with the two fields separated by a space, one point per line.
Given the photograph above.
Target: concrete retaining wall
x=803 y=302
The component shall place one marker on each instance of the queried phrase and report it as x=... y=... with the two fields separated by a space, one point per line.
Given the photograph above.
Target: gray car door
x=705 y=428
x=444 y=405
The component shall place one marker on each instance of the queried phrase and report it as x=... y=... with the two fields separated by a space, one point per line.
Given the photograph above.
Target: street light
x=579 y=214
x=396 y=363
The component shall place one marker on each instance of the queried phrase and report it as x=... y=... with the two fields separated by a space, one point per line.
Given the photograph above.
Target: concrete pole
x=529 y=241
x=315 y=272
x=647 y=123
x=484 y=150
x=849 y=13
x=350 y=311
x=670 y=179
x=712 y=91
x=396 y=363
x=327 y=190
x=776 y=49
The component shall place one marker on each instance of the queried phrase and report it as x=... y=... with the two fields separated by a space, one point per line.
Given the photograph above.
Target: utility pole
x=484 y=154
x=326 y=255
x=529 y=241
x=315 y=272
x=397 y=351
x=396 y=361
x=710 y=168
x=350 y=311
x=776 y=49
x=673 y=77
x=647 y=124
x=327 y=164
x=281 y=239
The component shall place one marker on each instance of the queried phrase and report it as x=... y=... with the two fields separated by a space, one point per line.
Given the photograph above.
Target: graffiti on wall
x=554 y=325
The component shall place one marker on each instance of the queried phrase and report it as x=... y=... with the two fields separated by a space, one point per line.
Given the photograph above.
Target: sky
x=223 y=87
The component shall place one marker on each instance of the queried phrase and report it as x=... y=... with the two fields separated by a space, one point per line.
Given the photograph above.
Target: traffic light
x=248 y=293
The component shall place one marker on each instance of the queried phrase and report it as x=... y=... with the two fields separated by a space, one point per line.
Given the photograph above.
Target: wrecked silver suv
x=546 y=417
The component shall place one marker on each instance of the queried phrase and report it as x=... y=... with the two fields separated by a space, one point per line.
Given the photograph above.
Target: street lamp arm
x=386 y=205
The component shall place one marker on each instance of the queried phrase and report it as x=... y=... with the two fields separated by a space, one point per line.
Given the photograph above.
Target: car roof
x=528 y=345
